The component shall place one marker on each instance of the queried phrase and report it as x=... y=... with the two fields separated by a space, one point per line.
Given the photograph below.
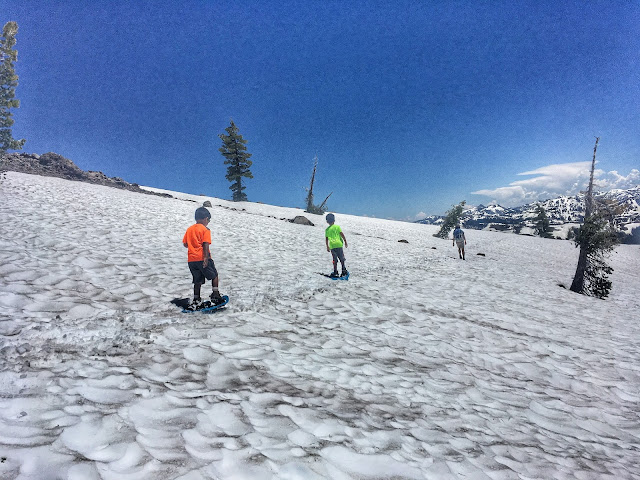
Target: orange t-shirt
x=194 y=237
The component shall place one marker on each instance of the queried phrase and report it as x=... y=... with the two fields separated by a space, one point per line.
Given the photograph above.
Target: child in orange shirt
x=197 y=240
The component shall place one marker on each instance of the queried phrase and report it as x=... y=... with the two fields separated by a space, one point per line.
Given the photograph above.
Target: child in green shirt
x=335 y=239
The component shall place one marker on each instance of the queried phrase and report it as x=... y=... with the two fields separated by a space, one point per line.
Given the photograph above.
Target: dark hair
x=331 y=218
x=202 y=213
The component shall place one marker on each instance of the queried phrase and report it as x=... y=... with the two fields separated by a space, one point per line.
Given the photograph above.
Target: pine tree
x=234 y=150
x=8 y=84
x=596 y=237
x=451 y=219
x=543 y=225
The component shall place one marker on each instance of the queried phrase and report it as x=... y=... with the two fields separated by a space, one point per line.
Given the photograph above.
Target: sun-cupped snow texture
x=421 y=366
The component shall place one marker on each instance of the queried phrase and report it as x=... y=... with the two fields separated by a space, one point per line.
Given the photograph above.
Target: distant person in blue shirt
x=460 y=240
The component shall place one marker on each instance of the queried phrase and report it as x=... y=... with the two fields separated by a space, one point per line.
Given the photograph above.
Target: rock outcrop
x=54 y=165
x=301 y=220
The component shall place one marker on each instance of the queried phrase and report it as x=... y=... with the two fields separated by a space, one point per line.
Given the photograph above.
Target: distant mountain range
x=563 y=212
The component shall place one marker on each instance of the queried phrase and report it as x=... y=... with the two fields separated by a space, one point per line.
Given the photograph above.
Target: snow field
x=420 y=366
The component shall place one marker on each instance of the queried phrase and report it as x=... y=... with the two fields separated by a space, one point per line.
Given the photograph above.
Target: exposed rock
x=206 y=203
x=481 y=254
x=300 y=220
x=54 y=165
x=49 y=164
x=403 y=241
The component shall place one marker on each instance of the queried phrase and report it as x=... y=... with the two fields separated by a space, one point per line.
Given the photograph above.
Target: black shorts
x=201 y=274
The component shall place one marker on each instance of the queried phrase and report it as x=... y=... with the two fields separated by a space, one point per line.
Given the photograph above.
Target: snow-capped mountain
x=563 y=212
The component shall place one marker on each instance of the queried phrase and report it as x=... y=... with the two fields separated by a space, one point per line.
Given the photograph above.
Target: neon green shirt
x=333 y=234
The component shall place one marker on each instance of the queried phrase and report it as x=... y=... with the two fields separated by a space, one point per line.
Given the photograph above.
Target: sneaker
x=344 y=273
x=196 y=304
x=216 y=299
x=334 y=275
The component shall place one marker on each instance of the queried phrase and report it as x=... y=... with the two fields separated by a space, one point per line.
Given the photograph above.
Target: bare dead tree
x=310 y=205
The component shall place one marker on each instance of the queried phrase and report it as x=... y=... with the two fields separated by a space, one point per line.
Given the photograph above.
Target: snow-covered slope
x=421 y=366
x=563 y=212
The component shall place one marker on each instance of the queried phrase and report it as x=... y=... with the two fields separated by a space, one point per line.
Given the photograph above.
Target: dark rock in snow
x=300 y=220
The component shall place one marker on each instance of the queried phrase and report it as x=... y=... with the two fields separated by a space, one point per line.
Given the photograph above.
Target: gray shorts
x=201 y=274
x=460 y=243
x=338 y=254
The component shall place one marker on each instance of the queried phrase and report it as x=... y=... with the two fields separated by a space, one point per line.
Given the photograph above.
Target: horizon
x=410 y=108
x=468 y=206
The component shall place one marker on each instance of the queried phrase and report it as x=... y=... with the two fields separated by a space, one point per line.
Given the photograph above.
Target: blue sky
x=410 y=106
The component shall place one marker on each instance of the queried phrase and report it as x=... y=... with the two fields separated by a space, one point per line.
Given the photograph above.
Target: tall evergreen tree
x=234 y=150
x=596 y=237
x=451 y=219
x=543 y=225
x=8 y=84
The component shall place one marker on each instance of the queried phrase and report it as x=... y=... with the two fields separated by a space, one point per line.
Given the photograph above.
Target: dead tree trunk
x=310 y=194
x=578 y=279
x=325 y=201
